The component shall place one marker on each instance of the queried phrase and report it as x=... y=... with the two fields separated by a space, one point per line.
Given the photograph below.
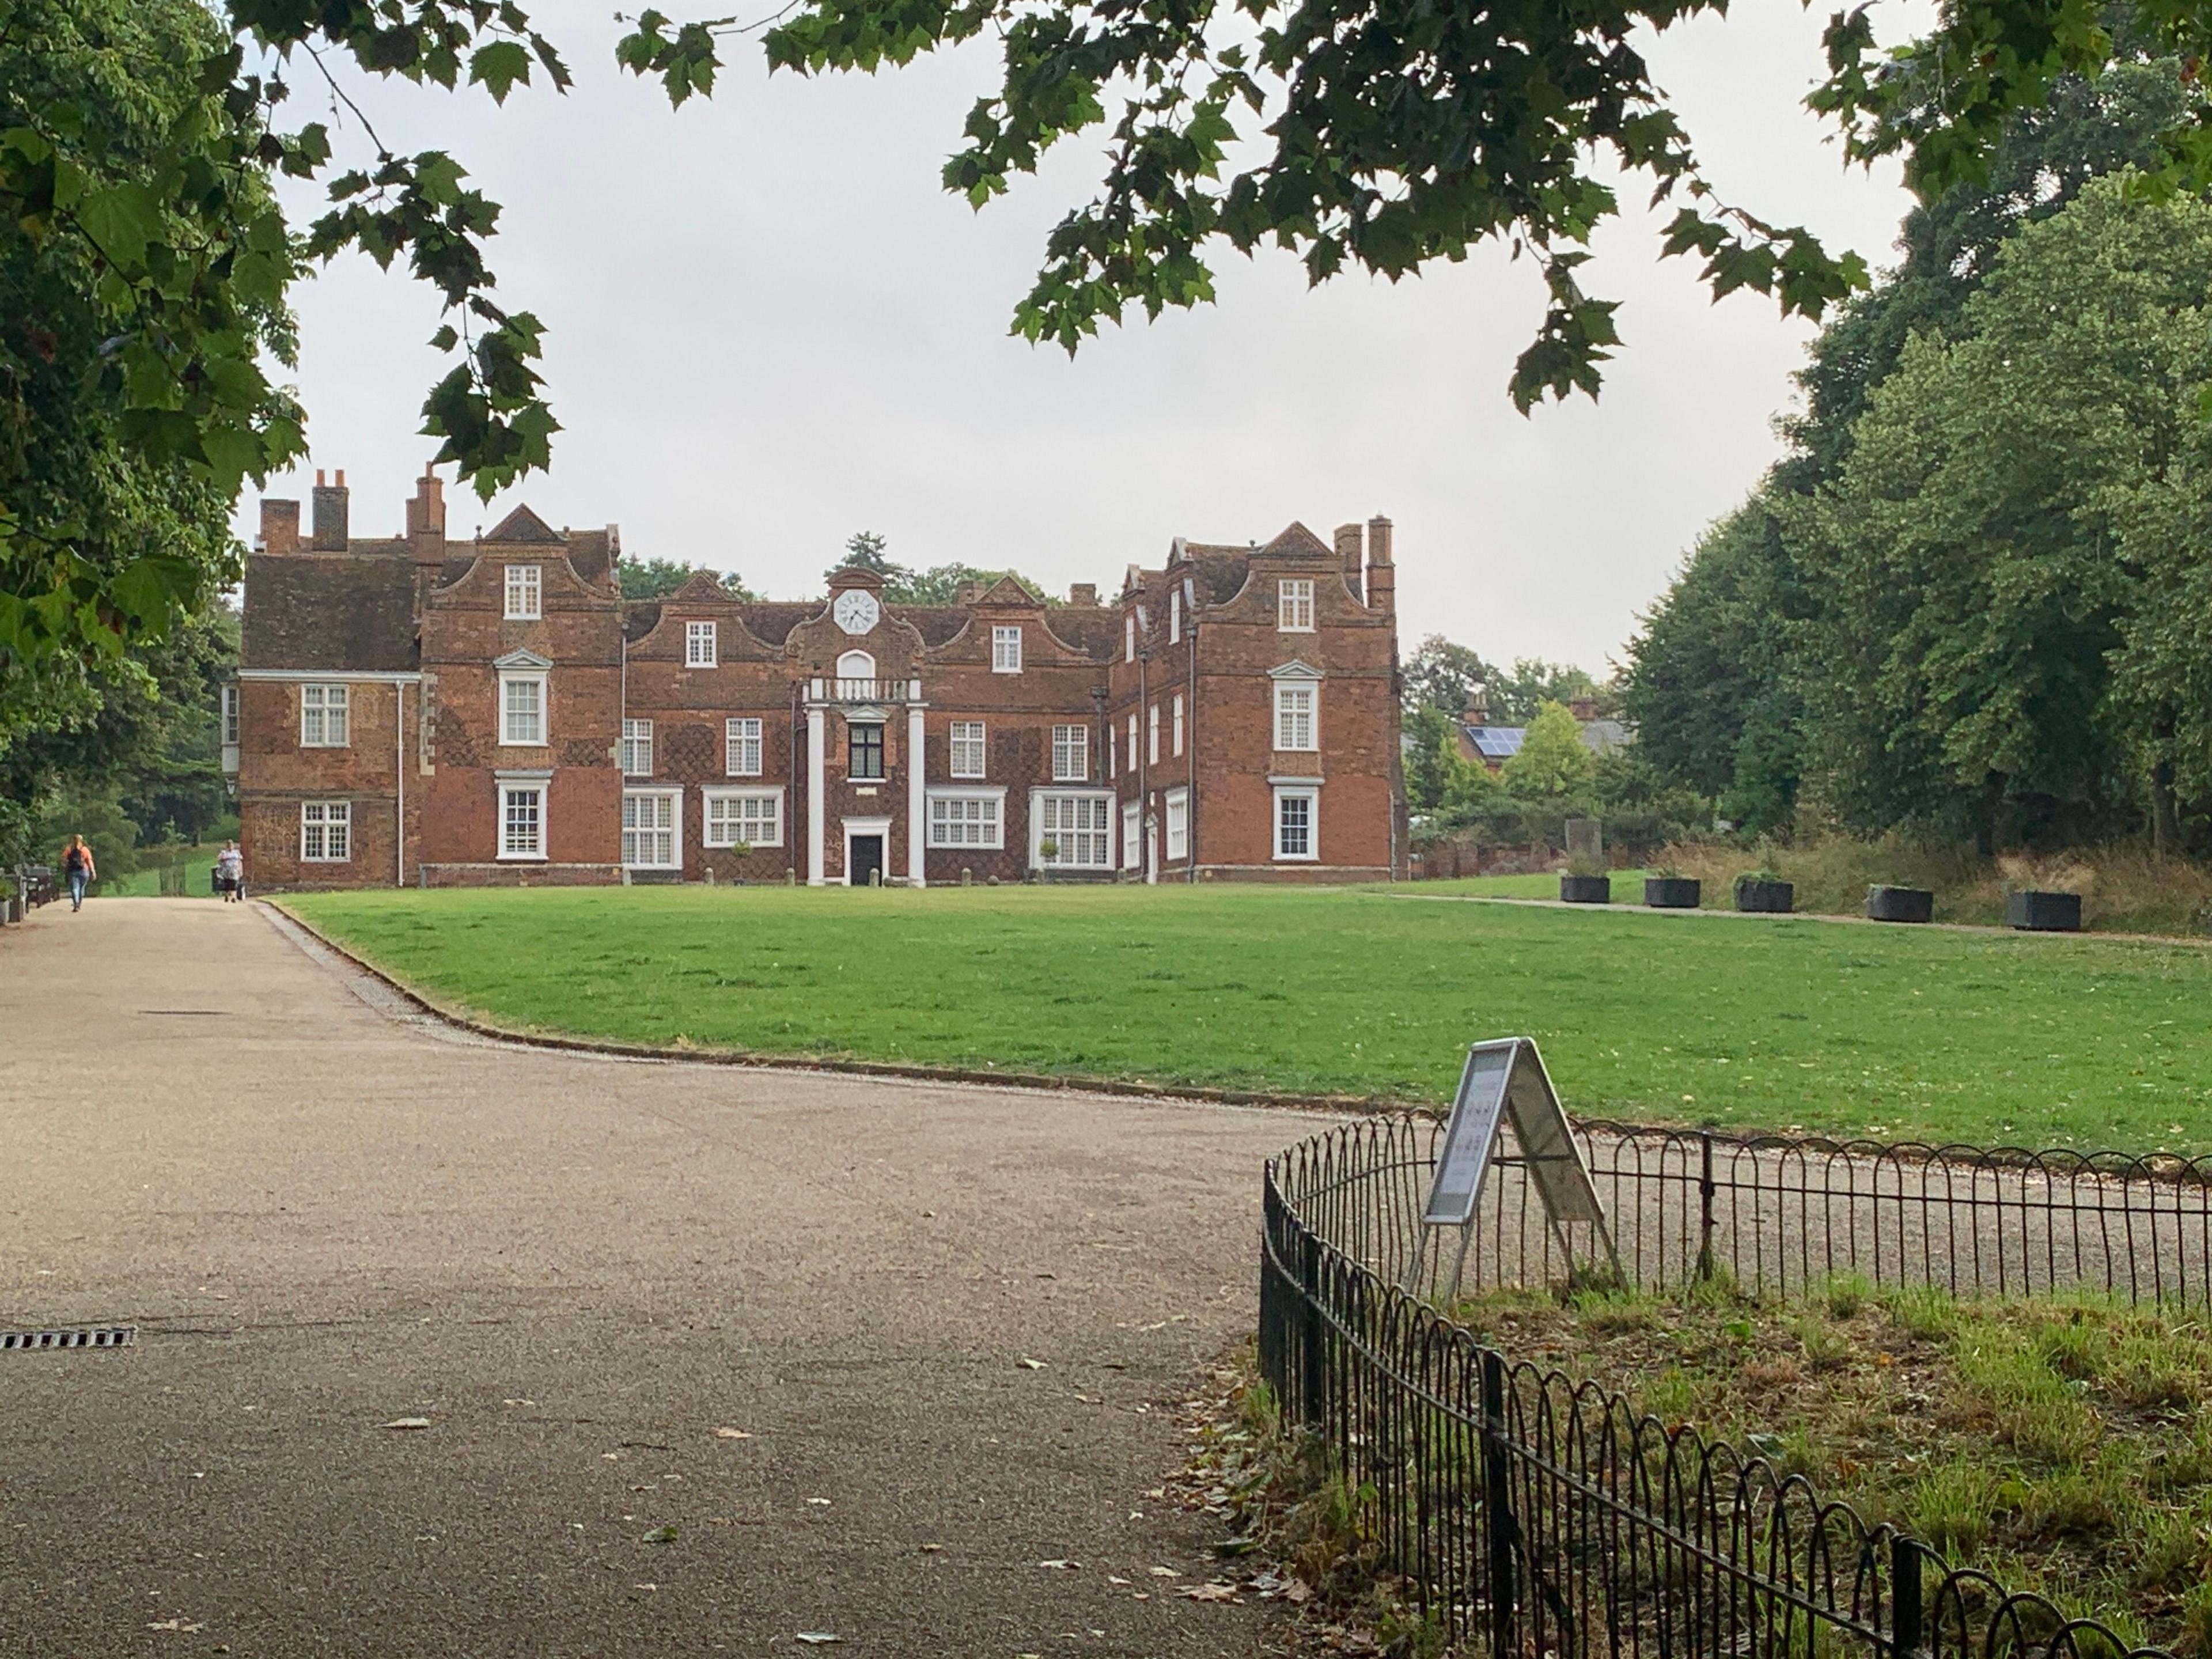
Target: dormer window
x=700 y=645
x=1006 y=651
x=524 y=590
x=1294 y=612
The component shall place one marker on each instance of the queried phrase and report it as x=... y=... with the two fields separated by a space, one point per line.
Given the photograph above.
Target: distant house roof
x=1496 y=742
x=330 y=610
x=1604 y=736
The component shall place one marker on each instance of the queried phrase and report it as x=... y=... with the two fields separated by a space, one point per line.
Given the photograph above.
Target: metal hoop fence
x=1534 y=1517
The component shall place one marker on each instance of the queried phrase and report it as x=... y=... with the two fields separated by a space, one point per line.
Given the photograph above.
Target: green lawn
x=1628 y=886
x=1905 y=1033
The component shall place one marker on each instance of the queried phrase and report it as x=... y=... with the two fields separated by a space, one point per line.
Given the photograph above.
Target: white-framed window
x=1178 y=806
x=966 y=748
x=637 y=749
x=1295 y=725
x=1178 y=722
x=751 y=817
x=700 y=644
x=1174 y=616
x=1070 y=754
x=1133 y=739
x=324 y=723
x=1297 y=822
x=651 y=820
x=1294 y=605
x=976 y=819
x=325 y=831
x=525 y=591
x=230 y=715
x=1133 y=827
x=1080 y=827
x=1129 y=638
x=1112 y=756
x=522 y=710
x=741 y=747
x=1152 y=735
x=856 y=666
x=1006 y=650
x=522 y=820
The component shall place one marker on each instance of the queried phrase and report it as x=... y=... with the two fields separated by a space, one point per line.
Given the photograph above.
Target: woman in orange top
x=77 y=863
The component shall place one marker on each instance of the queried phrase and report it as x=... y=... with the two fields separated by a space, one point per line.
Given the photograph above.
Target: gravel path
x=327 y=1215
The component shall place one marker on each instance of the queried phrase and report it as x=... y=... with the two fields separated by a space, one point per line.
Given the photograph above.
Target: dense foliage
x=648 y=578
x=1966 y=604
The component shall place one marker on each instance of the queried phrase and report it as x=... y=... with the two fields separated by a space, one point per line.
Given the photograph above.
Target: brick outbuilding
x=413 y=710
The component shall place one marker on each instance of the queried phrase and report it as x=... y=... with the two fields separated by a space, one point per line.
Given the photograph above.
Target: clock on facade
x=856 y=610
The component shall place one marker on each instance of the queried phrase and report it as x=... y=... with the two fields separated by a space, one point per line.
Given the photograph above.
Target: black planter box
x=1900 y=904
x=1768 y=897
x=2043 y=913
x=1586 y=890
x=1672 y=892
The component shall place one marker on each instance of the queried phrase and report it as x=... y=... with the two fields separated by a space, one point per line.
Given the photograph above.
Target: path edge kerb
x=1364 y=1105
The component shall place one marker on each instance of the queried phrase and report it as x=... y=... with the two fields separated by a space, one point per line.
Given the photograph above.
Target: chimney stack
x=280 y=527
x=968 y=592
x=1350 y=548
x=1583 y=707
x=426 y=519
x=331 y=513
x=1381 y=575
x=1083 y=593
x=1478 y=705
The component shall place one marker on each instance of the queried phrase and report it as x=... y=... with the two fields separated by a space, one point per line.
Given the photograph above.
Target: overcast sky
x=770 y=328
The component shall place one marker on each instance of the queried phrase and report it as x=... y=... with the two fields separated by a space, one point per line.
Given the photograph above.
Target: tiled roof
x=334 y=611
x=640 y=618
x=772 y=621
x=936 y=623
x=523 y=526
x=1090 y=629
x=588 y=554
x=1297 y=539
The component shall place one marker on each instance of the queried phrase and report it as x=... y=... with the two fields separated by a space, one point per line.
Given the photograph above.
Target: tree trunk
x=2164 y=813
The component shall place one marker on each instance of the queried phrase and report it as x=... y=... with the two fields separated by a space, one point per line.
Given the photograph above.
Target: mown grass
x=2063 y=1447
x=1788 y=1024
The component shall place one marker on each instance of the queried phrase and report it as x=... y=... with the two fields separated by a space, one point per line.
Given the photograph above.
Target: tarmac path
x=326 y=1218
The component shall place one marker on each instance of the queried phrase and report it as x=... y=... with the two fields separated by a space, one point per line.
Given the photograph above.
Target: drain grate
x=76 y=1336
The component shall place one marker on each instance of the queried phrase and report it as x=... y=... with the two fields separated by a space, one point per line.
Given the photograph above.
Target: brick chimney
x=280 y=526
x=426 y=518
x=1478 y=705
x=968 y=592
x=1083 y=593
x=331 y=514
x=1351 y=549
x=1382 y=574
x=1583 y=707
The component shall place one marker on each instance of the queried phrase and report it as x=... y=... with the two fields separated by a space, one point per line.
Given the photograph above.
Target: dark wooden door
x=868 y=860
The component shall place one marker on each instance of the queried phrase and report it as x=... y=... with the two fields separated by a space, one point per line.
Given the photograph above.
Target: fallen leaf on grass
x=1061 y=1566
x=731 y=1434
x=819 y=1503
x=815 y=1639
x=1163 y=1572
x=659 y=1535
x=932 y=1549
x=1216 y=1591
x=1029 y=1364
x=176 y=1625
x=1112 y=1579
x=408 y=1423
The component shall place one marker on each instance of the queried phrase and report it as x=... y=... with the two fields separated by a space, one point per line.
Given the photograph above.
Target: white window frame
x=702 y=634
x=966 y=820
x=525 y=592
x=1129 y=637
x=672 y=800
x=1113 y=753
x=230 y=715
x=1178 y=825
x=1133 y=827
x=326 y=715
x=1294 y=604
x=637 y=749
x=1174 y=616
x=1070 y=754
x=966 y=750
x=1006 y=650
x=1289 y=739
x=1178 y=722
x=510 y=677
x=741 y=747
x=1048 y=806
x=1133 y=739
x=322 y=823
x=503 y=797
x=1311 y=794
x=726 y=833
x=1152 y=735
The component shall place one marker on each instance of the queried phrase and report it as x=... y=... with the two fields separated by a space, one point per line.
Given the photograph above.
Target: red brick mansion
x=412 y=710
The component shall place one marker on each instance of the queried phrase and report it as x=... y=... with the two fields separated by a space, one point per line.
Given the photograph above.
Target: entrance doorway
x=864 y=864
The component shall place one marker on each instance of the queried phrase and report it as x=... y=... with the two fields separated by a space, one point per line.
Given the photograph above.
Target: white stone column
x=917 y=828
x=815 y=718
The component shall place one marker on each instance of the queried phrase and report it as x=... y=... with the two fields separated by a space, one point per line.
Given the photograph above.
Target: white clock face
x=856 y=610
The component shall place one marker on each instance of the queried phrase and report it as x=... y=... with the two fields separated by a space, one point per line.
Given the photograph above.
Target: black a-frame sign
x=1504 y=1084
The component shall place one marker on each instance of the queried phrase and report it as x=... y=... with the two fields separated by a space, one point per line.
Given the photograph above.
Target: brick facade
x=508 y=718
